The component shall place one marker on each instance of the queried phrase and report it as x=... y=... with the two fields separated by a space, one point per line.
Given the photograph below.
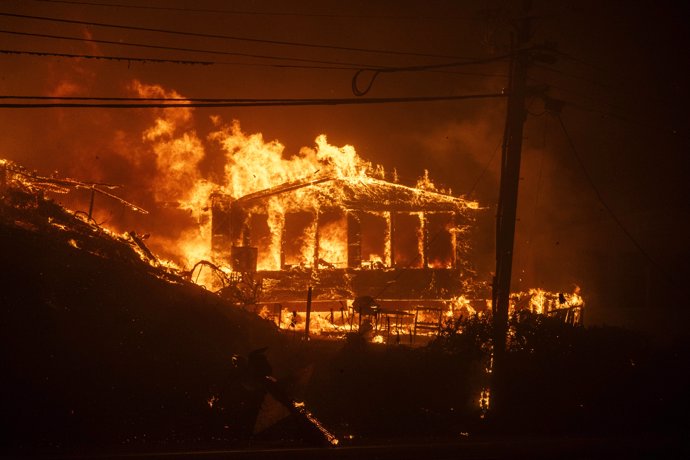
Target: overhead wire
x=134 y=99
x=128 y=59
x=127 y=103
x=573 y=76
x=253 y=13
x=484 y=171
x=529 y=253
x=632 y=121
x=177 y=48
x=231 y=37
x=580 y=94
x=609 y=210
x=106 y=58
x=335 y=65
x=417 y=68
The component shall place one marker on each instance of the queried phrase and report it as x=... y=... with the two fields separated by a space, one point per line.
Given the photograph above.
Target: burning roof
x=362 y=193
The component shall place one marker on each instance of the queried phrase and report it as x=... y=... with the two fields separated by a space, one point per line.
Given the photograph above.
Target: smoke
x=472 y=146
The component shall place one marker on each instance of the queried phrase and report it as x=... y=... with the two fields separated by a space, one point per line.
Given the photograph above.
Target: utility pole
x=507 y=201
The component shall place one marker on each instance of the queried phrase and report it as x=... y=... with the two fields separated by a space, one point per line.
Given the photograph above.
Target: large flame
x=180 y=178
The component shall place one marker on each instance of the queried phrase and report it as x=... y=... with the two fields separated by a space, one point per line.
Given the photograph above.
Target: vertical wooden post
x=425 y=239
x=507 y=202
x=306 y=321
x=283 y=234
x=354 y=240
x=388 y=335
x=93 y=195
x=454 y=240
x=391 y=235
x=316 y=240
x=246 y=232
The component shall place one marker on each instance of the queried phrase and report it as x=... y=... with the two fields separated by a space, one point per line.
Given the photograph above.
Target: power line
x=486 y=168
x=376 y=72
x=126 y=103
x=106 y=58
x=631 y=121
x=144 y=99
x=230 y=37
x=353 y=66
x=213 y=62
x=252 y=13
x=185 y=61
x=576 y=59
x=608 y=208
x=174 y=48
x=575 y=93
x=576 y=77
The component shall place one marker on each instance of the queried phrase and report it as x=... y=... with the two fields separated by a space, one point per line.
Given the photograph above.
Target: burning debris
x=24 y=203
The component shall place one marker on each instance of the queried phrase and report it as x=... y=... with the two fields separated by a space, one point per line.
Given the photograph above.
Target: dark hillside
x=100 y=347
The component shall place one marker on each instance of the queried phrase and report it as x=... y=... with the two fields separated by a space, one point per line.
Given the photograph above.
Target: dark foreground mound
x=100 y=348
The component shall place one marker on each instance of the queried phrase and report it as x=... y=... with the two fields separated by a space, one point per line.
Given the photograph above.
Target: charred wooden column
x=391 y=235
x=454 y=240
x=238 y=223
x=316 y=239
x=283 y=233
x=221 y=228
x=91 y=200
x=425 y=239
x=308 y=318
x=354 y=240
x=246 y=232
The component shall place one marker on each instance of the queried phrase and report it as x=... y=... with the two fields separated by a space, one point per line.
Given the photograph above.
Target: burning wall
x=342 y=223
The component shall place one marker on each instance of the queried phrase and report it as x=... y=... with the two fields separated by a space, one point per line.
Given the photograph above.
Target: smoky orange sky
x=621 y=71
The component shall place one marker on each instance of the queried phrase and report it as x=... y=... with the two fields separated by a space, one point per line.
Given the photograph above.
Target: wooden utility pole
x=507 y=201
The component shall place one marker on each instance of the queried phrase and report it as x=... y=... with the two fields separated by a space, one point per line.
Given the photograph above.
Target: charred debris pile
x=104 y=348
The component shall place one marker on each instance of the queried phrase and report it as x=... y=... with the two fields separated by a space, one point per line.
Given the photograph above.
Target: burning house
x=324 y=233
x=346 y=238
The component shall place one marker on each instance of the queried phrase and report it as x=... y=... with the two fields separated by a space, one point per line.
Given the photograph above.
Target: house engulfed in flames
x=345 y=246
x=336 y=249
x=362 y=244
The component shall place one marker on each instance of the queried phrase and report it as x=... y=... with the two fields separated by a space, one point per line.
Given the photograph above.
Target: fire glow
x=268 y=226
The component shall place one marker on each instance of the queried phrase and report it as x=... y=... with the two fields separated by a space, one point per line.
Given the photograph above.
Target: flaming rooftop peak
x=325 y=174
x=254 y=165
